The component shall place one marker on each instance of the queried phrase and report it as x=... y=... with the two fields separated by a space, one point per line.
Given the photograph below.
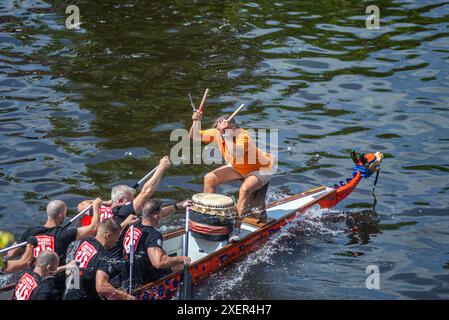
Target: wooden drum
x=212 y=216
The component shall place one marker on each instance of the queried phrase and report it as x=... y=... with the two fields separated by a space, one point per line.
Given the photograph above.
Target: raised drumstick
x=200 y=108
x=236 y=111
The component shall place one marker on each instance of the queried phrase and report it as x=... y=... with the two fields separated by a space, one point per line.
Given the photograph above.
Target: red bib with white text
x=85 y=253
x=25 y=287
x=127 y=240
x=105 y=213
x=44 y=242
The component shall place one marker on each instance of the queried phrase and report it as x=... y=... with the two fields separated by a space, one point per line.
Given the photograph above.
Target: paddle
x=18 y=245
x=375 y=180
x=187 y=281
x=235 y=112
x=131 y=258
x=83 y=212
x=149 y=174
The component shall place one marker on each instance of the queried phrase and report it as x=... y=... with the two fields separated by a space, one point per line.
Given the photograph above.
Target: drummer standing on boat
x=244 y=162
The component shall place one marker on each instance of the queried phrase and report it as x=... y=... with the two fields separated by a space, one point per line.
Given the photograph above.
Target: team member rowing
x=151 y=260
x=15 y=265
x=94 y=265
x=53 y=236
x=38 y=284
x=125 y=203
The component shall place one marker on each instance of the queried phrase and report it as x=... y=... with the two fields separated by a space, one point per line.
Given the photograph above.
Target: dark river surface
x=83 y=110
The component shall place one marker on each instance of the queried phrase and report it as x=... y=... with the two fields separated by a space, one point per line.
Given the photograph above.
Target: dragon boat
x=211 y=252
x=209 y=255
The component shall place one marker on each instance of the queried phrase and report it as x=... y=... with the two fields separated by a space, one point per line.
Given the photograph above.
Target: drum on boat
x=212 y=216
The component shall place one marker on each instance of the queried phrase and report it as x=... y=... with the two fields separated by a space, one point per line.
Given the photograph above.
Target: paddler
x=55 y=237
x=93 y=260
x=38 y=284
x=52 y=236
x=151 y=261
x=244 y=162
x=125 y=204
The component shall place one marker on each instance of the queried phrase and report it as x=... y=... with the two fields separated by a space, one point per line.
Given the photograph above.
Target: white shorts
x=264 y=178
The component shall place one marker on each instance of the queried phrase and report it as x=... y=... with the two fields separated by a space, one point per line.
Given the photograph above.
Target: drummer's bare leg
x=251 y=184
x=219 y=176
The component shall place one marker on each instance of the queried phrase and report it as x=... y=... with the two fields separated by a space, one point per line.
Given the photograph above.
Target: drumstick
x=235 y=112
x=200 y=108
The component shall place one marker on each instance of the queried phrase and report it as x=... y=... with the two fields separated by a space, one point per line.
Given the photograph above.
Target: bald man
x=38 y=284
x=52 y=236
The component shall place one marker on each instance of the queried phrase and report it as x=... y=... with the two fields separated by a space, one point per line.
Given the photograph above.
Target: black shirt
x=31 y=286
x=144 y=237
x=120 y=215
x=56 y=239
x=92 y=257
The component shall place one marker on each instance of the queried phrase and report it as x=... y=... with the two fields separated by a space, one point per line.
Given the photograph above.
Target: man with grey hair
x=38 y=284
x=124 y=203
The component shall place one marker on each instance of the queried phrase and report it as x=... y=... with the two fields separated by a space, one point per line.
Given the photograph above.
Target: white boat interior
x=199 y=248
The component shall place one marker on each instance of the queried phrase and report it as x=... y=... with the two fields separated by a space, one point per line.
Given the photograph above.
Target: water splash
x=316 y=222
x=170 y=228
x=311 y=224
x=275 y=194
x=5 y=279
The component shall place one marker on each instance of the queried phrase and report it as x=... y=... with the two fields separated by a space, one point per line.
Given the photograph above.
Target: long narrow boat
x=210 y=256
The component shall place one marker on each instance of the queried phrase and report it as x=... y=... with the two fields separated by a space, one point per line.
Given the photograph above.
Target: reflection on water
x=83 y=110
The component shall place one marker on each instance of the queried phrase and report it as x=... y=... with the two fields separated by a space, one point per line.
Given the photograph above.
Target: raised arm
x=84 y=204
x=194 y=132
x=150 y=187
x=106 y=289
x=90 y=230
